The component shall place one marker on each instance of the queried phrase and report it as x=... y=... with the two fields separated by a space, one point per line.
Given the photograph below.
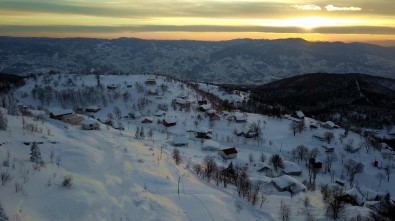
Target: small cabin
x=202 y=102
x=180 y=140
x=328 y=125
x=315 y=163
x=210 y=145
x=204 y=133
x=204 y=107
x=59 y=113
x=90 y=124
x=112 y=86
x=147 y=120
x=150 y=81
x=230 y=153
x=169 y=122
x=240 y=117
x=92 y=109
x=299 y=114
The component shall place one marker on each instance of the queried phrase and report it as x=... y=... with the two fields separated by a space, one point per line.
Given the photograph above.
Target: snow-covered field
x=117 y=175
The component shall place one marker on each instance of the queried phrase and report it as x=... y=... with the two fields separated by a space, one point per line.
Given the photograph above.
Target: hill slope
x=360 y=99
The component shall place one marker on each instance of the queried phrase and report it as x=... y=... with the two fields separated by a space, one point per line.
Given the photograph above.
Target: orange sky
x=314 y=20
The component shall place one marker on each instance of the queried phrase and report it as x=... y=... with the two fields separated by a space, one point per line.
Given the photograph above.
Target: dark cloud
x=200 y=28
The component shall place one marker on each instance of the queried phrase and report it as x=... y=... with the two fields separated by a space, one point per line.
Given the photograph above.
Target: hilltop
x=127 y=169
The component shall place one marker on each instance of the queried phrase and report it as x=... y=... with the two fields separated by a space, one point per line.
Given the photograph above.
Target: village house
x=315 y=163
x=90 y=124
x=160 y=113
x=134 y=115
x=299 y=114
x=202 y=102
x=240 y=117
x=204 y=107
x=183 y=103
x=118 y=126
x=210 y=145
x=180 y=140
x=353 y=197
x=92 y=109
x=112 y=86
x=246 y=131
x=288 y=183
x=328 y=125
x=150 y=81
x=291 y=169
x=169 y=121
x=147 y=120
x=58 y=113
x=229 y=153
x=204 y=133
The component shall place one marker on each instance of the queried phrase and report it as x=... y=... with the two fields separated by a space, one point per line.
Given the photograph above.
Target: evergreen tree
x=35 y=154
x=3 y=215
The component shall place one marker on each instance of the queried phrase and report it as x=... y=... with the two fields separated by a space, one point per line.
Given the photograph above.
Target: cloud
x=307 y=7
x=335 y=8
x=152 y=8
x=196 y=28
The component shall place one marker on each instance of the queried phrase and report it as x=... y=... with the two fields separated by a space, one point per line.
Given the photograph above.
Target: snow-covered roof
x=211 y=111
x=170 y=120
x=203 y=130
x=210 y=144
x=60 y=111
x=205 y=106
x=290 y=167
x=93 y=107
x=329 y=123
x=285 y=181
x=160 y=113
x=299 y=114
x=244 y=130
x=180 y=139
x=356 y=195
x=240 y=116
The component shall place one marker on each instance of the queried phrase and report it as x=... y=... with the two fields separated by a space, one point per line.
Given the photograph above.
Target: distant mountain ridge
x=241 y=61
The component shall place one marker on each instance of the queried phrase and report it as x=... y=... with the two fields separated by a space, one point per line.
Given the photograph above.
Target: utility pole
x=179 y=178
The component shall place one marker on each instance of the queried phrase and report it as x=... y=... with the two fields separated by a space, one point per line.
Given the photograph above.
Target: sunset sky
x=316 y=20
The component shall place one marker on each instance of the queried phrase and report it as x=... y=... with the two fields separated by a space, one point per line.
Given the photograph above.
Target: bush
x=67 y=181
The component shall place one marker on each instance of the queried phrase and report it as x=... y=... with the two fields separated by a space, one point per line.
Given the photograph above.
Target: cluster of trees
x=254 y=192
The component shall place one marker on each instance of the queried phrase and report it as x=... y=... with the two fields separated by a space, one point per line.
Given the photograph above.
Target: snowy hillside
x=241 y=61
x=136 y=173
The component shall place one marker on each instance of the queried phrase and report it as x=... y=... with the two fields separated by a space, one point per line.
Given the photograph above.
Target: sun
x=309 y=23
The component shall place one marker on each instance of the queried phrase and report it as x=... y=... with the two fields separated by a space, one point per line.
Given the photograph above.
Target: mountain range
x=241 y=61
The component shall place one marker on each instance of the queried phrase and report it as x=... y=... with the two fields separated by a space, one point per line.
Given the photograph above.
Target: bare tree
x=117 y=112
x=353 y=167
x=251 y=158
x=285 y=211
x=302 y=152
x=388 y=171
x=176 y=156
x=210 y=167
x=380 y=176
x=262 y=157
x=329 y=137
x=335 y=205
